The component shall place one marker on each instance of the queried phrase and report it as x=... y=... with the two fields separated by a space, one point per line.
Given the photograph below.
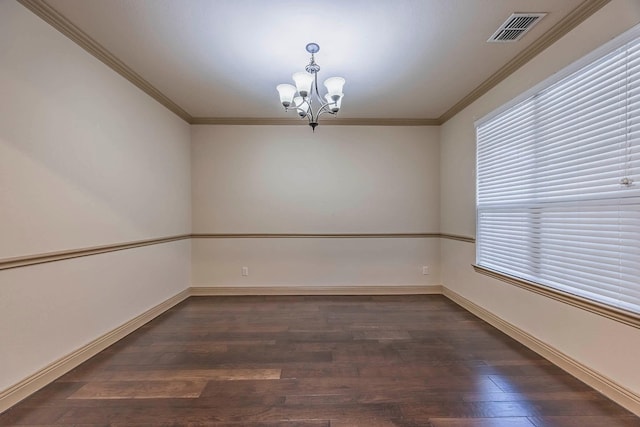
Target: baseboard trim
x=315 y=290
x=614 y=391
x=619 y=394
x=49 y=373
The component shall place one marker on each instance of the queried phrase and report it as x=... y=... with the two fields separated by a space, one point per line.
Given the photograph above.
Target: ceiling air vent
x=515 y=27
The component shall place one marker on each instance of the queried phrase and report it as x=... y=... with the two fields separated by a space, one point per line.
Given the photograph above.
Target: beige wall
x=340 y=179
x=606 y=346
x=86 y=159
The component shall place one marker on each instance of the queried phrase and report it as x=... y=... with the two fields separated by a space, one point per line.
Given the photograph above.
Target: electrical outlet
x=245 y=271
x=425 y=269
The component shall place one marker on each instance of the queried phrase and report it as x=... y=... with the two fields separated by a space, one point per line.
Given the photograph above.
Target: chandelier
x=301 y=96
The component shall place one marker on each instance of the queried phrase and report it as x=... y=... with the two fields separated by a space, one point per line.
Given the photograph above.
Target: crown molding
x=297 y=122
x=568 y=23
x=242 y=121
x=66 y=27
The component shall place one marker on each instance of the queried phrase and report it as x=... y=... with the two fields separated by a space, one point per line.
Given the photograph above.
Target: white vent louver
x=515 y=27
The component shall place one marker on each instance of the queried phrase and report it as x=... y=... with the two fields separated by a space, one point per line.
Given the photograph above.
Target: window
x=558 y=181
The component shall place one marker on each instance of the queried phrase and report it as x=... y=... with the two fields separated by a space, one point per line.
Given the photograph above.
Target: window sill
x=622 y=316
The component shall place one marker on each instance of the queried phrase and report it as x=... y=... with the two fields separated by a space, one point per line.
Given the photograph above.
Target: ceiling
x=220 y=60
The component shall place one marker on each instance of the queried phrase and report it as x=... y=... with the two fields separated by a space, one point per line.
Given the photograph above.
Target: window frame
x=625 y=316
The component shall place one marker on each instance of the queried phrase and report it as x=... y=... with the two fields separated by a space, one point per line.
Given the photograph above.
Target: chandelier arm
x=322 y=101
x=308 y=114
x=325 y=110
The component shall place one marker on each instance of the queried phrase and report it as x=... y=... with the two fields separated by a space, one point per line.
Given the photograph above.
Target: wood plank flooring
x=372 y=361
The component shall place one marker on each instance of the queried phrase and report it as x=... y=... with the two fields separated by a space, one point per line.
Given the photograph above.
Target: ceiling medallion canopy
x=304 y=94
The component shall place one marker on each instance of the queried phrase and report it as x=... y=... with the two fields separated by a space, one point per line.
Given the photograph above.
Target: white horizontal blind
x=554 y=203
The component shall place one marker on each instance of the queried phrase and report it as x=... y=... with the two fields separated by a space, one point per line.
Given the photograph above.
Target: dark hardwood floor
x=338 y=361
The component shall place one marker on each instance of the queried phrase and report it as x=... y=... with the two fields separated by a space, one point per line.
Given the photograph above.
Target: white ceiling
x=402 y=59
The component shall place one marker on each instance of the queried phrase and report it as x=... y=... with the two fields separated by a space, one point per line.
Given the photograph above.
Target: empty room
x=320 y=214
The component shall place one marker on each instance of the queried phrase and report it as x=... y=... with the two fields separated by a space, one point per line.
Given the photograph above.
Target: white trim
x=614 y=391
x=52 y=371
x=316 y=290
x=610 y=46
x=27 y=260
x=48 y=374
